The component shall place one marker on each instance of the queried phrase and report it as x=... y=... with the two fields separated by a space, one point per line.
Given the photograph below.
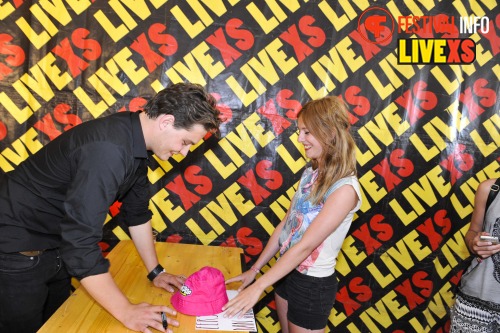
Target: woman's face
x=312 y=146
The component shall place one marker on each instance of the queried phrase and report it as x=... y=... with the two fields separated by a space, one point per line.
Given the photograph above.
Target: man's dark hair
x=189 y=103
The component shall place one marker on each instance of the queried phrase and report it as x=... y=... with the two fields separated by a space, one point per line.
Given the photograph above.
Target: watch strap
x=155 y=272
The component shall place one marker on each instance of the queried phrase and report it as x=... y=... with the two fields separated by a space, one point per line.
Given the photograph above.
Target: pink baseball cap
x=203 y=293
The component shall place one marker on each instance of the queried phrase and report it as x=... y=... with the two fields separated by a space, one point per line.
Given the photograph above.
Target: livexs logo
x=424 y=39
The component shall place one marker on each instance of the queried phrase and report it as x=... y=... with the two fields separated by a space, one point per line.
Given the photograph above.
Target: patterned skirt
x=472 y=315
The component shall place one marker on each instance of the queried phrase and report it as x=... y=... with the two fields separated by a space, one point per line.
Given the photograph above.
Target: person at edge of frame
x=477 y=303
x=310 y=236
x=53 y=206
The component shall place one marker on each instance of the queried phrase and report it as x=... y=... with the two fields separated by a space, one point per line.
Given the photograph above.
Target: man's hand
x=142 y=317
x=137 y=317
x=168 y=281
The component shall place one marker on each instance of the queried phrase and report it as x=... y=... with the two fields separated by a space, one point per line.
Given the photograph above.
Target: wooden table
x=80 y=313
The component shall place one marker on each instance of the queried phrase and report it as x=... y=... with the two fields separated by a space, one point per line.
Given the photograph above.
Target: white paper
x=219 y=323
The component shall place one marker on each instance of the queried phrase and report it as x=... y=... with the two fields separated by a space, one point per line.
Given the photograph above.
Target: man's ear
x=166 y=120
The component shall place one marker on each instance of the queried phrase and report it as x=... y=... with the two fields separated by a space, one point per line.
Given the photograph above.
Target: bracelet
x=254 y=269
x=155 y=272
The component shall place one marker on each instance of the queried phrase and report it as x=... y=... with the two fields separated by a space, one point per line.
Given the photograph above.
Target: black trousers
x=31 y=290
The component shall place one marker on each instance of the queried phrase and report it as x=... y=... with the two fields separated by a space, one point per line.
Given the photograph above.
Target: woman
x=477 y=305
x=310 y=236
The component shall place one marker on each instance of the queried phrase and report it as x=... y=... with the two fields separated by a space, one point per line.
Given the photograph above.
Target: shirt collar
x=140 y=150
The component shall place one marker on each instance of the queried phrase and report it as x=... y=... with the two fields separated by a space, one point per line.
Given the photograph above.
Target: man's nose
x=184 y=151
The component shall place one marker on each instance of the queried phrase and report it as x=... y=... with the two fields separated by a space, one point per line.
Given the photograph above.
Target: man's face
x=173 y=140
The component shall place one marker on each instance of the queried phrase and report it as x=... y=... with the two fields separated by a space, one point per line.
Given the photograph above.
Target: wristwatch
x=155 y=272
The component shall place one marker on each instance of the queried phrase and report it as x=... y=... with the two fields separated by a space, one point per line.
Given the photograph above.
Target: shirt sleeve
x=134 y=210
x=353 y=181
x=99 y=169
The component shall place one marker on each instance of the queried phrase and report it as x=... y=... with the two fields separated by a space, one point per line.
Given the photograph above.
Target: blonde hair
x=328 y=121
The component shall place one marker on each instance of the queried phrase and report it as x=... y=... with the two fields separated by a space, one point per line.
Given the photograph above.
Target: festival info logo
x=430 y=39
x=376 y=25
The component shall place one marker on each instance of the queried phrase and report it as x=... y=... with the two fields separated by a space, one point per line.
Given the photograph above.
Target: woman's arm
x=335 y=209
x=269 y=252
x=480 y=248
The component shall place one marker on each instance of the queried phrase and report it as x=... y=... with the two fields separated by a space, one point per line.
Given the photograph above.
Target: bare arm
x=142 y=236
x=336 y=208
x=269 y=251
x=480 y=248
x=137 y=317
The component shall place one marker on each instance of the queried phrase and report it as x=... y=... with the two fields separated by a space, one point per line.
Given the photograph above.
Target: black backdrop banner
x=421 y=79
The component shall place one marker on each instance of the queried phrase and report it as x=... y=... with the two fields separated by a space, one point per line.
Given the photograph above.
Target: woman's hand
x=484 y=249
x=245 y=300
x=246 y=277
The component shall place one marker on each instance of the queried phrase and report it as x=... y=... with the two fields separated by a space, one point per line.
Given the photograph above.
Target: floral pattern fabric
x=302 y=213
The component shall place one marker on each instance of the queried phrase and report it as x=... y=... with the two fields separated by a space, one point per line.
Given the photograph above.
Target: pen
x=164 y=320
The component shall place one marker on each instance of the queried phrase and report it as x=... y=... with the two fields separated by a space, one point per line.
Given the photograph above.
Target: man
x=53 y=206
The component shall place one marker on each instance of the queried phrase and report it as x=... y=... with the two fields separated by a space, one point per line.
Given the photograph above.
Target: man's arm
x=137 y=317
x=142 y=236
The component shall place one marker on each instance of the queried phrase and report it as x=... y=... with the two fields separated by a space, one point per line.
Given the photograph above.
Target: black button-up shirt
x=59 y=197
